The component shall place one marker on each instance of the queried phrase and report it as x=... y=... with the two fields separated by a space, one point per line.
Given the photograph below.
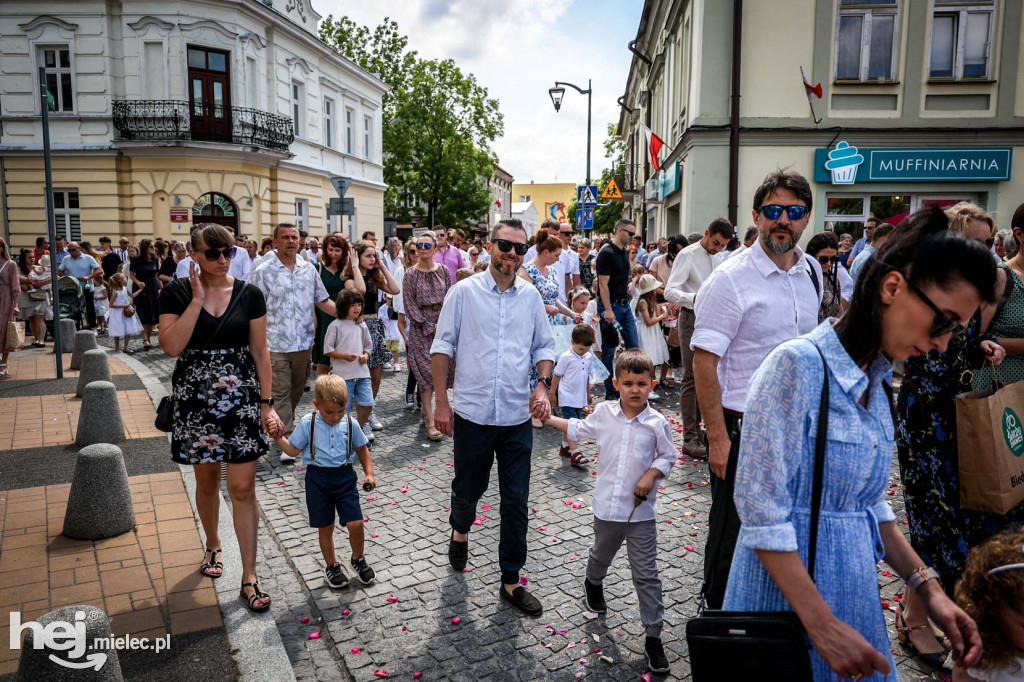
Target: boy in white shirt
x=570 y=386
x=624 y=494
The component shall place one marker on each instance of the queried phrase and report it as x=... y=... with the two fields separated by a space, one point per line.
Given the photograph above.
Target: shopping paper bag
x=15 y=336
x=990 y=436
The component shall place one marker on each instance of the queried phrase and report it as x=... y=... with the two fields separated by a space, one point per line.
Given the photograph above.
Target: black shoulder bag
x=768 y=646
x=165 y=410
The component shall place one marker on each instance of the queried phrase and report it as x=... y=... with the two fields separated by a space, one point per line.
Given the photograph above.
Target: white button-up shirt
x=494 y=334
x=692 y=266
x=291 y=296
x=746 y=308
x=574 y=378
x=628 y=447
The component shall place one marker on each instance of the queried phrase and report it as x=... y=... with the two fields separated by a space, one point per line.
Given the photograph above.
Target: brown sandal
x=205 y=567
x=578 y=459
x=936 y=659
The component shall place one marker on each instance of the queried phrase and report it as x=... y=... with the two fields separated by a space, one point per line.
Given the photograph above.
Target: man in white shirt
x=240 y=266
x=748 y=240
x=692 y=266
x=292 y=289
x=768 y=294
x=494 y=322
x=312 y=250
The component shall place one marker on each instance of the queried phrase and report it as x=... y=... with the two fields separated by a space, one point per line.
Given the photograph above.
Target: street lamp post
x=558 y=92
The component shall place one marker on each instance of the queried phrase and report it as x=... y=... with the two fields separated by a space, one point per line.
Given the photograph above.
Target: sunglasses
x=827 y=261
x=505 y=246
x=424 y=245
x=215 y=254
x=773 y=211
x=629 y=232
x=943 y=324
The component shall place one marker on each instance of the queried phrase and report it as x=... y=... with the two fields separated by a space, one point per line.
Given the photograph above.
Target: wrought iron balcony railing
x=175 y=120
x=628 y=176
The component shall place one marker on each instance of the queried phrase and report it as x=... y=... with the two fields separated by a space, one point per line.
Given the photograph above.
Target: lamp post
x=558 y=92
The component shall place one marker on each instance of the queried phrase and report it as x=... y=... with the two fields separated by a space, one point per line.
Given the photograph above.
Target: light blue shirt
x=331 y=441
x=83 y=266
x=860 y=261
x=858 y=246
x=493 y=334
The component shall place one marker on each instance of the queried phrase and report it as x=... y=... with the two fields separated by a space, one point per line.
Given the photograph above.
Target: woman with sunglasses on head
x=824 y=247
x=332 y=264
x=216 y=326
x=912 y=297
x=423 y=291
x=926 y=439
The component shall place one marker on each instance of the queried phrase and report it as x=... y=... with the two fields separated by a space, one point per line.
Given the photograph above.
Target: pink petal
x=345 y=612
x=668 y=520
x=524 y=581
x=392 y=599
x=568 y=503
x=477 y=523
x=579 y=675
x=403 y=628
x=384 y=673
x=314 y=635
x=298 y=468
x=485 y=507
x=280 y=483
x=417 y=675
x=576 y=505
x=554 y=539
x=572 y=558
x=371 y=498
x=548 y=645
x=583 y=660
x=375 y=535
x=646 y=677
x=366 y=519
x=304 y=620
x=543 y=528
x=356 y=650
x=688 y=548
x=533 y=510
x=424 y=459
x=456 y=620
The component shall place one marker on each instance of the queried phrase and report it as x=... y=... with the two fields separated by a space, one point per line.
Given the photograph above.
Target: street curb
x=256 y=647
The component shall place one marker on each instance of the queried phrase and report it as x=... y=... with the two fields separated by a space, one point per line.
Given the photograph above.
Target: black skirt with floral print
x=216 y=398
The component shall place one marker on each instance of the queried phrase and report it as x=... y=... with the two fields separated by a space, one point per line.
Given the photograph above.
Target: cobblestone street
x=362 y=633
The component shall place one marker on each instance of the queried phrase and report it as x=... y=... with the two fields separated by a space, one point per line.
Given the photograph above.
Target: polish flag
x=811 y=89
x=654 y=145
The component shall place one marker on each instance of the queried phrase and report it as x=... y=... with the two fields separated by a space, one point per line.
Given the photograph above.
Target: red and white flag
x=654 y=146
x=814 y=90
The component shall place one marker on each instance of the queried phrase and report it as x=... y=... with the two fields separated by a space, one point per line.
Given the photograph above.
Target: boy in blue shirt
x=328 y=442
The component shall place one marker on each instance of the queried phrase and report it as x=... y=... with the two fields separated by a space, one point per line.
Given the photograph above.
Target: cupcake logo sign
x=843 y=162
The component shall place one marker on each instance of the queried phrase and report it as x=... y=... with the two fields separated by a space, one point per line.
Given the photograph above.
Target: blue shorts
x=360 y=391
x=572 y=412
x=330 y=489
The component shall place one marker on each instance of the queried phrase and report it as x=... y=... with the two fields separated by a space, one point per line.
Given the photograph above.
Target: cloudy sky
x=517 y=50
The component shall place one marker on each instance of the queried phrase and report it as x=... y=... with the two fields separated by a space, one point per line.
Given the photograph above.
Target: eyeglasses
x=773 y=211
x=215 y=254
x=943 y=323
x=505 y=246
x=425 y=246
x=567 y=234
x=827 y=261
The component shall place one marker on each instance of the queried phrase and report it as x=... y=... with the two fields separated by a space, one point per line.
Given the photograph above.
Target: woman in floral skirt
x=223 y=411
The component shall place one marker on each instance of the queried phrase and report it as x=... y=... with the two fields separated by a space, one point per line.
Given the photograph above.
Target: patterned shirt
x=291 y=296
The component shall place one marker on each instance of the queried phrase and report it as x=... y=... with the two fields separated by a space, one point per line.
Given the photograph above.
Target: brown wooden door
x=209 y=92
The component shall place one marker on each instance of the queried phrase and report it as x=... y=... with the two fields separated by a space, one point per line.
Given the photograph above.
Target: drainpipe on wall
x=642 y=227
x=3 y=195
x=734 y=122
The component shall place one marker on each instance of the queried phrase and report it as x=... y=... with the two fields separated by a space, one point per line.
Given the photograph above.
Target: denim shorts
x=360 y=391
x=572 y=412
x=330 y=489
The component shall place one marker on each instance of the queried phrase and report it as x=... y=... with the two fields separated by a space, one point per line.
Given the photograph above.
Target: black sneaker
x=522 y=600
x=594 y=598
x=458 y=552
x=335 y=577
x=363 y=570
x=657 y=662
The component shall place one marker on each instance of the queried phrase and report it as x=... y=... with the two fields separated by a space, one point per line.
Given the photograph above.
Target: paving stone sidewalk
x=362 y=633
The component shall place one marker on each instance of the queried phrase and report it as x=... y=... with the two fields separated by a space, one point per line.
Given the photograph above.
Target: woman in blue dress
x=923 y=286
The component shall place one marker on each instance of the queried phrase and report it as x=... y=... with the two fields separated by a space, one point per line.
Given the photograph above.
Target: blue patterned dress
x=548 y=288
x=774 y=475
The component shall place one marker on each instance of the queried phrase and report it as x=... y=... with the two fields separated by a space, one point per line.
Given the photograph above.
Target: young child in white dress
x=648 y=320
x=392 y=337
x=102 y=305
x=119 y=325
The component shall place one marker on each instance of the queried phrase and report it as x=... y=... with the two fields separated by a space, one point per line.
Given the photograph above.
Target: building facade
x=551 y=200
x=228 y=111
x=920 y=103
x=500 y=185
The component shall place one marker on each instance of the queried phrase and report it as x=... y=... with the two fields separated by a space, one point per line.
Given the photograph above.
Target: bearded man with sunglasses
x=494 y=322
x=751 y=303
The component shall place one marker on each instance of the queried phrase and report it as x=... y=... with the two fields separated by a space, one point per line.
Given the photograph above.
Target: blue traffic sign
x=584 y=219
x=586 y=195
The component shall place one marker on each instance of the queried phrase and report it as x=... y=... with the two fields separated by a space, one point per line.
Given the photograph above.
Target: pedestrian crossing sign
x=586 y=195
x=611 y=190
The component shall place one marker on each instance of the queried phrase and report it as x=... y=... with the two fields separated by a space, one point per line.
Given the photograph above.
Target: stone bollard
x=99 y=418
x=100 y=501
x=84 y=340
x=67 y=336
x=94 y=367
x=90 y=664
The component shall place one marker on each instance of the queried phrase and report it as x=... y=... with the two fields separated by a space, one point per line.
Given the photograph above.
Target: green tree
x=439 y=124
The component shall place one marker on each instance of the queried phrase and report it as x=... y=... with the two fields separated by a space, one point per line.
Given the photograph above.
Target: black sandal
x=205 y=567
x=257 y=593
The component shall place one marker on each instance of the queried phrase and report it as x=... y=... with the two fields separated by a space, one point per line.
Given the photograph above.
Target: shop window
x=67 y=214
x=866 y=43
x=59 y=83
x=962 y=39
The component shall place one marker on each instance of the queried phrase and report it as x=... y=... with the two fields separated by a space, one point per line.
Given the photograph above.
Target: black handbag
x=165 y=410
x=767 y=646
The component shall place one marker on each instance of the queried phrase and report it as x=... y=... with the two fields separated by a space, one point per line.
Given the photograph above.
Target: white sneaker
x=398 y=367
x=375 y=423
x=653 y=396
x=387 y=365
x=286 y=458
x=368 y=432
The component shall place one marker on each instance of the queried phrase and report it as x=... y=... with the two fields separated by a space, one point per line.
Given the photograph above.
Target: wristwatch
x=546 y=380
x=267 y=401
x=919 y=576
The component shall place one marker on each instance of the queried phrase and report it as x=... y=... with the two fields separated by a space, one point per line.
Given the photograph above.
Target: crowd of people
x=501 y=332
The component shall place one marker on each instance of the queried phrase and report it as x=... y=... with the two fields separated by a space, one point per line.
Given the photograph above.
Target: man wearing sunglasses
x=85 y=269
x=613 y=303
x=494 y=323
x=751 y=303
x=446 y=254
x=869 y=229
